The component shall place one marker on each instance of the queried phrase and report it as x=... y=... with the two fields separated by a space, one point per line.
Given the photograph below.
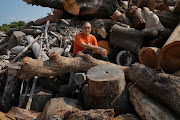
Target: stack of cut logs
x=38 y=71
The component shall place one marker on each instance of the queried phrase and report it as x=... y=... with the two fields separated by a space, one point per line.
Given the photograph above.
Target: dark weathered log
x=153 y=24
x=166 y=19
x=125 y=58
x=35 y=47
x=144 y=3
x=5 y=40
x=120 y=103
x=177 y=7
x=32 y=31
x=3 y=45
x=163 y=87
x=147 y=108
x=126 y=117
x=57 y=14
x=149 y=56
x=106 y=80
x=12 y=82
x=96 y=114
x=58 y=65
x=126 y=38
x=169 y=57
x=120 y=17
x=135 y=15
x=93 y=8
x=57 y=105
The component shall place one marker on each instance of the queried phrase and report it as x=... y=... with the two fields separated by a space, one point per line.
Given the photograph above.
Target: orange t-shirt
x=79 y=38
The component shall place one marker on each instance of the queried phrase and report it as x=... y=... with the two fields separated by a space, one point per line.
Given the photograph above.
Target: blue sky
x=18 y=10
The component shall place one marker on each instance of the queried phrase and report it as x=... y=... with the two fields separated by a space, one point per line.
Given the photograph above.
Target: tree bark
x=120 y=103
x=11 y=87
x=106 y=80
x=169 y=57
x=161 y=86
x=58 y=65
x=92 y=8
x=147 y=108
x=149 y=56
x=126 y=38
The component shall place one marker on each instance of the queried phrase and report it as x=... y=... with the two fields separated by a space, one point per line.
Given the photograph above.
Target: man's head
x=86 y=28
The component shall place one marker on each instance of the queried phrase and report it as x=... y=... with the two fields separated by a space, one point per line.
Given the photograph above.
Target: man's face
x=86 y=28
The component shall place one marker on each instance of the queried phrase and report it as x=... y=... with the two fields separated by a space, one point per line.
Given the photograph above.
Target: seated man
x=87 y=43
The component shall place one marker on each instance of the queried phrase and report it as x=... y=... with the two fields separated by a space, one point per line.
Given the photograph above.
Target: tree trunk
x=135 y=15
x=58 y=65
x=166 y=19
x=161 y=86
x=106 y=80
x=147 y=108
x=120 y=103
x=169 y=57
x=149 y=57
x=11 y=87
x=92 y=8
x=35 y=47
x=126 y=38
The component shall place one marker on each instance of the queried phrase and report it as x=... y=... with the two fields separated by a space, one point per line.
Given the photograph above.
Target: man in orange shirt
x=87 y=43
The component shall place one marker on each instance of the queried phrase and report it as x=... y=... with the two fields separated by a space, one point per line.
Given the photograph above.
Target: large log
x=120 y=103
x=11 y=87
x=166 y=19
x=161 y=86
x=106 y=80
x=93 y=8
x=169 y=57
x=126 y=38
x=58 y=65
x=147 y=108
x=149 y=57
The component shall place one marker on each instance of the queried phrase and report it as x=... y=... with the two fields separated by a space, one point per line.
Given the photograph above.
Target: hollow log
x=169 y=57
x=161 y=86
x=135 y=15
x=166 y=19
x=106 y=80
x=58 y=65
x=125 y=58
x=126 y=38
x=120 y=103
x=93 y=8
x=149 y=56
x=35 y=47
x=11 y=87
x=147 y=108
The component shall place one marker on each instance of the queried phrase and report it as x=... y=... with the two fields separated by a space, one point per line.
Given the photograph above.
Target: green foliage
x=12 y=25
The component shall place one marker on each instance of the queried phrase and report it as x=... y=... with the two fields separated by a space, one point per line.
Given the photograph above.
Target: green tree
x=12 y=25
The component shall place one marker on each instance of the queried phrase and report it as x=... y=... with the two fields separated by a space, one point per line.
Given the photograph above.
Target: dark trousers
x=97 y=56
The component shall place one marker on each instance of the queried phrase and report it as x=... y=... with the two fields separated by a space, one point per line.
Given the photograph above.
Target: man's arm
x=98 y=49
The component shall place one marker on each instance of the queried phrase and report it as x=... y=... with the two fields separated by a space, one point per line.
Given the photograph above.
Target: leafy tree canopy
x=12 y=25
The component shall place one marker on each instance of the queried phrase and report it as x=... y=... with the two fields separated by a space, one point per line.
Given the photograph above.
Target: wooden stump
x=126 y=38
x=120 y=103
x=147 y=108
x=169 y=56
x=106 y=80
x=161 y=86
x=149 y=57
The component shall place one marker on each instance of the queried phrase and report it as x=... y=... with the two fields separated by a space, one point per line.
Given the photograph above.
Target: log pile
x=36 y=61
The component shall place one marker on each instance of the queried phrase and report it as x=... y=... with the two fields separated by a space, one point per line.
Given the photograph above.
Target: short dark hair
x=84 y=23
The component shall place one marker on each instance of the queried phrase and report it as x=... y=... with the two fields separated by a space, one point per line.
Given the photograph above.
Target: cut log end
x=148 y=57
x=169 y=57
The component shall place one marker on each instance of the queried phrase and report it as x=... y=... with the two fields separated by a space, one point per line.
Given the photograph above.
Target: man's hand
x=102 y=51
